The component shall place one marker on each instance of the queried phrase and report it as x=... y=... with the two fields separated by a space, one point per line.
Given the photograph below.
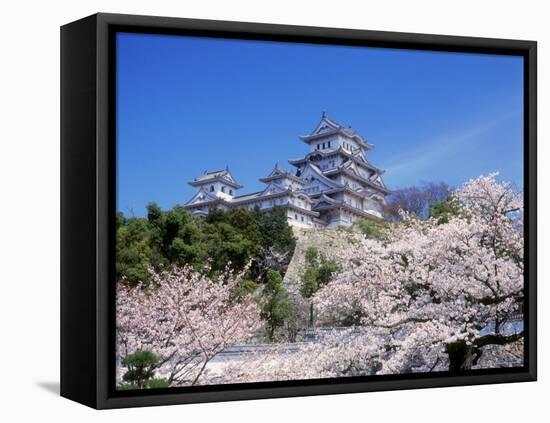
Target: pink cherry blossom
x=185 y=318
x=430 y=296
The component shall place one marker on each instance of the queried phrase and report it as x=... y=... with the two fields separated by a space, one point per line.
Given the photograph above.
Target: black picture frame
x=88 y=208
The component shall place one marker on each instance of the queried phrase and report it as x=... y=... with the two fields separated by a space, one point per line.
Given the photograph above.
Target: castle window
x=323 y=146
x=302 y=218
x=211 y=188
x=296 y=216
x=223 y=189
x=231 y=191
x=329 y=144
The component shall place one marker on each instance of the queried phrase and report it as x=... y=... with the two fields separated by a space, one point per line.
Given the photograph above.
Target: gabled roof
x=216 y=175
x=319 y=175
x=349 y=165
x=303 y=197
x=327 y=127
x=279 y=172
x=355 y=167
x=377 y=179
x=323 y=198
x=327 y=203
x=202 y=196
x=273 y=188
x=247 y=197
x=377 y=184
x=357 y=158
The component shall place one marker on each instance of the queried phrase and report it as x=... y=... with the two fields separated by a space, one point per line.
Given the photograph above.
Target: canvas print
x=291 y=212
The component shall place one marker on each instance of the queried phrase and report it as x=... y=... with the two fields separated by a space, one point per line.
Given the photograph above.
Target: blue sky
x=187 y=104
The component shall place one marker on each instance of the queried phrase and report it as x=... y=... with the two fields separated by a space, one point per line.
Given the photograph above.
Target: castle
x=333 y=185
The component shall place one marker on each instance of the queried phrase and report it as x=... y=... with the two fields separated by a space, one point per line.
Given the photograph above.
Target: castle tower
x=219 y=183
x=338 y=176
x=334 y=184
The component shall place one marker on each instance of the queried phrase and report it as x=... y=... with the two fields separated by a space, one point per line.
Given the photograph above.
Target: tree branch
x=498 y=339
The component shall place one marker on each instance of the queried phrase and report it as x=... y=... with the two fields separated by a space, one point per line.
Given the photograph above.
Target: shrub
x=373 y=229
x=141 y=367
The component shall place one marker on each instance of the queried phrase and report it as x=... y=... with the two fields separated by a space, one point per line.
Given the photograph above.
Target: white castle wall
x=298 y=219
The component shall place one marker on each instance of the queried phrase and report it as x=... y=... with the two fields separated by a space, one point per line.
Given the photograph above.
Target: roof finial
x=324 y=115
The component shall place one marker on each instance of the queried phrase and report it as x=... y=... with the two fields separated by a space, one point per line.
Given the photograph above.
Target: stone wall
x=327 y=241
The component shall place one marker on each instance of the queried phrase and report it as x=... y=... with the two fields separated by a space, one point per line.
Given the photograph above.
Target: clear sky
x=187 y=104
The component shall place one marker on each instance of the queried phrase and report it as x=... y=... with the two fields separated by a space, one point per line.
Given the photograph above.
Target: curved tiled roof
x=216 y=175
x=329 y=126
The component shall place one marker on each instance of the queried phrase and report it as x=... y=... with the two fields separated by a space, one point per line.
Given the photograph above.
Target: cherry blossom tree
x=184 y=318
x=439 y=294
x=429 y=297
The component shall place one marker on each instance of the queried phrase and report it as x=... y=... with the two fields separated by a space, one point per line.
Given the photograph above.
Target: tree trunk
x=461 y=356
x=206 y=360
x=271 y=331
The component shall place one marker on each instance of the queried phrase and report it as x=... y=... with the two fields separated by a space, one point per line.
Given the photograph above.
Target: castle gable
x=315 y=181
x=277 y=172
x=326 y=125
x=324 y=201
x=273 y=188
x=201 y=196
x=377 y=180
x=223 y=176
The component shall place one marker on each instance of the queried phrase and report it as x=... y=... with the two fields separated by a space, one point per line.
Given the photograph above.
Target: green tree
x=246 y=286
x=327 y=269
x=373 y=229
x=318 y=272
x=154 y=213
x=157 y=383
x=275 y=231
x=223 y=239
x=133 y=251
x=277 y=243
x=443 y=211
x=276 y=306
x=230 y=237
x=141 y=368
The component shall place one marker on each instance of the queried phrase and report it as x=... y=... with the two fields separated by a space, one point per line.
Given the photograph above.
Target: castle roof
x=216 y=176
x=272 y=190
x=347 y=189
x=202 y=196
x=279 y=173
x=373 y=183
x=324 y=206
x=328 y=127
x=356 y=157
x=311 y=168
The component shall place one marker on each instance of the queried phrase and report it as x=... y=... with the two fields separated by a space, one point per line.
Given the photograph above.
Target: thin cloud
x=443 y=148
